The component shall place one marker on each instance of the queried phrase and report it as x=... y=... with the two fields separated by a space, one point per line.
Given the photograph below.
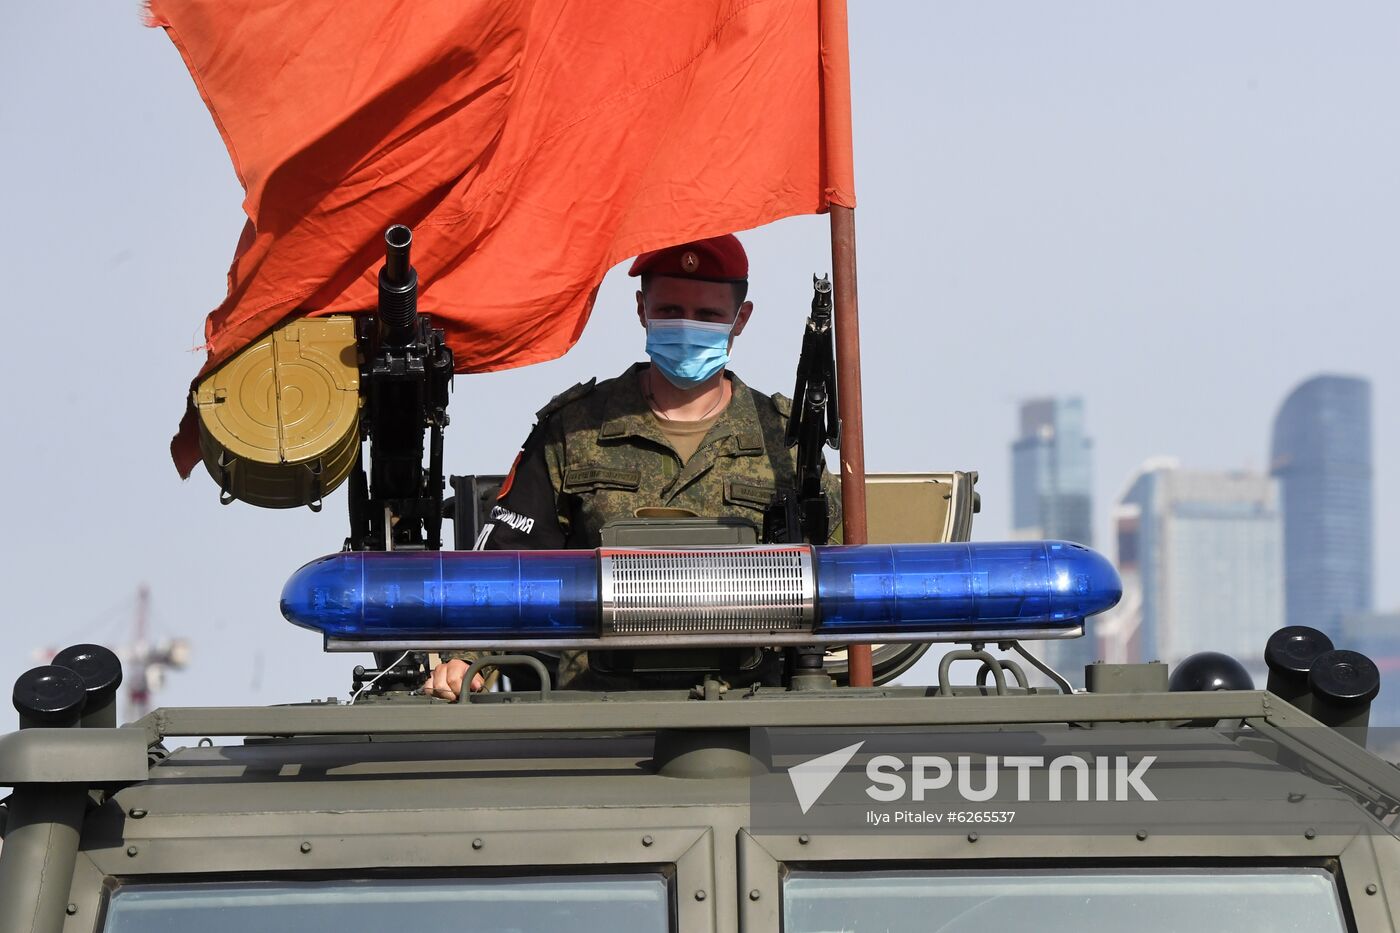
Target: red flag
x=531 y=145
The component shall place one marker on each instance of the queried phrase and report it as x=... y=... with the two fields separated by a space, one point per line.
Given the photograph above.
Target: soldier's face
x=667 y=298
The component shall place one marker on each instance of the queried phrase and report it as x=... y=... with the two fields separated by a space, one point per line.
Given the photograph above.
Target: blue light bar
x=505 y=595
x=640 y=597
x=1006 y=585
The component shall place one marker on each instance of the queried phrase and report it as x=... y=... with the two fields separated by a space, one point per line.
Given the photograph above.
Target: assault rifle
x=802 y=512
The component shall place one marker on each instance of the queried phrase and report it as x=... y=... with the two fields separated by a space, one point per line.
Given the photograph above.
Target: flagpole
x=853 y=527
x=838 y=157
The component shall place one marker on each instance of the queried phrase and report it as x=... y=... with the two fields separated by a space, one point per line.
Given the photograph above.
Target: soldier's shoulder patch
x=509 y=481
x=783 y=404
x=568 y=396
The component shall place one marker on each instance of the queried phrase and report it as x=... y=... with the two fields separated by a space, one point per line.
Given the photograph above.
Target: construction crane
x=145 y=662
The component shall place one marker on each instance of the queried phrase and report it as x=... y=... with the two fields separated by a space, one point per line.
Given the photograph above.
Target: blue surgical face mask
x=688 y=352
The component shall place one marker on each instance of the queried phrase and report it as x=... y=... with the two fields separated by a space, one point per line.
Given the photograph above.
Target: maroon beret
x=718 y=259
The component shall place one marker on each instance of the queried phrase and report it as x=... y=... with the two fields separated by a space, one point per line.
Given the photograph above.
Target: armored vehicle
x=800 y=805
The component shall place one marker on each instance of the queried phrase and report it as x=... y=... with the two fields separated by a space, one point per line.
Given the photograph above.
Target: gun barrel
x=398 y=287
x=398 y=240
x=822 y=310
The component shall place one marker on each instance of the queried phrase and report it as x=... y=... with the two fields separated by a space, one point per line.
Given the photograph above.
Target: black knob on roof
x=1292 y=650
x=1210 y=670
x=49 y=696
x=1344 y=678
x=99 y=668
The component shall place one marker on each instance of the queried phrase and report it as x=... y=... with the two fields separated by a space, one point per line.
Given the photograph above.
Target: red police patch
x=510 y=477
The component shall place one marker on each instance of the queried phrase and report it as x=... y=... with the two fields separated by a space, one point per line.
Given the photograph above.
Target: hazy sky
x=1174 y=210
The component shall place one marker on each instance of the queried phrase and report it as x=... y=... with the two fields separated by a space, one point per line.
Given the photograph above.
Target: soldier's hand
x=446 y=680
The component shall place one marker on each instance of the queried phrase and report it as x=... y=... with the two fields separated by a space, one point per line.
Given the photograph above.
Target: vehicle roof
x=575 y=767
x=494 y=770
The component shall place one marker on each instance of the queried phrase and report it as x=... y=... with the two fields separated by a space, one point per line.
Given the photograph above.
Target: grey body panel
x=94 y=757
x=423 y=788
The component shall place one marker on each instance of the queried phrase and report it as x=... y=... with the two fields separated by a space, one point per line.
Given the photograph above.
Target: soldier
x=682 y=435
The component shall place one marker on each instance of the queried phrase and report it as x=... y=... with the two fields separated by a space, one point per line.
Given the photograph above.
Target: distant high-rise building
x=1377 y=635
x=1051 y=473
x=1322 y=459
x=1205 y=553
x=1051 y=479
x=1118 y=632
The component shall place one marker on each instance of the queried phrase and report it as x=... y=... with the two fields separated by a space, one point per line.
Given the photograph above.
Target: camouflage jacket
x=597 y=454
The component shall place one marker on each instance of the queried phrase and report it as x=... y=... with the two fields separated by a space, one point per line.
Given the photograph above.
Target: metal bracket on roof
x=501 y=661
x=1035 y=662
x=991 y=664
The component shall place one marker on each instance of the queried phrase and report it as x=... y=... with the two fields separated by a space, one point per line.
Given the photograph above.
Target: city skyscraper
x=1119 y=630
x=1322 y=459
x=1051 y=496
x=1204 y=551
x=1377 y=635
x=1051 y=474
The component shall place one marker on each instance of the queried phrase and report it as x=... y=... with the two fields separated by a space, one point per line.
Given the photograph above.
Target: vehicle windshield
x=1166 y=900
x=580 y=904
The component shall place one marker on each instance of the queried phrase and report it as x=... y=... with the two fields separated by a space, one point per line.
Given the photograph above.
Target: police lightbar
x=678 y=597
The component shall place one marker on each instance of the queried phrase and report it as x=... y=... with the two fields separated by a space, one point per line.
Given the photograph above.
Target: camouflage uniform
x=598 y=454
